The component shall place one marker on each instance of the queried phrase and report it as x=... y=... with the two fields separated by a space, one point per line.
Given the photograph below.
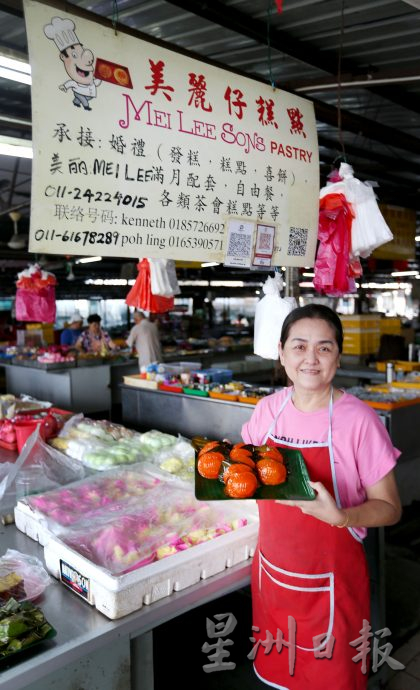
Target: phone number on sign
x=90 y=237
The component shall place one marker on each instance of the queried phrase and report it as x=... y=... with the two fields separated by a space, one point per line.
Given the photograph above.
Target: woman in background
x=94 y=339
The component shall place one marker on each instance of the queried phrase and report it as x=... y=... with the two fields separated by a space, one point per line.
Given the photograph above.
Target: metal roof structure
x=357 y=60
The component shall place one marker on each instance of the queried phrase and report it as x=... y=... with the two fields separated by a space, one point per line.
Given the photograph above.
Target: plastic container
x=24 y=428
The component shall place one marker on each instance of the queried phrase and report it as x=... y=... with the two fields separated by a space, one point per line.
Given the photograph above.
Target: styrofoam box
x=117 y=596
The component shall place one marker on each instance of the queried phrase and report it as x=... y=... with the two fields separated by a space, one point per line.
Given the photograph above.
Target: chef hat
x=61 y=31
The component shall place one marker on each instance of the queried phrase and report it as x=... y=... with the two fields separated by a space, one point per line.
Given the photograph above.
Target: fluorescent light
x=13 y=75
x=20 y=148
x=227 y=283
x=210 y=263
x=198 y=283
x=107 y=281
x=397 y=274
x=309 y=275
x=89 y=259
x=17 y=65
x=386 y=286
x=306 y=284
x=417 y=238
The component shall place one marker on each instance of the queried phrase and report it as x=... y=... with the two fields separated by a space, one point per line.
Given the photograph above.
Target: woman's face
x=310 y=354
x=95 y=327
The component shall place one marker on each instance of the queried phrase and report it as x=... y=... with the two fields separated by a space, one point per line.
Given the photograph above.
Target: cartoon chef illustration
x=78 y=61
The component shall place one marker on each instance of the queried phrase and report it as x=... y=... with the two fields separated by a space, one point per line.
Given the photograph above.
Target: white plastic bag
x=163 y=279
x=269 y=316
x=369 y=229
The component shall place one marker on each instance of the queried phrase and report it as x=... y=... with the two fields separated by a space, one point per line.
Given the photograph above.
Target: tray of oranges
x=237 y=471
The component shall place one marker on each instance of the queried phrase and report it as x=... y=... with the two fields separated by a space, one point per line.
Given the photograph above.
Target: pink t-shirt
x=363 y=452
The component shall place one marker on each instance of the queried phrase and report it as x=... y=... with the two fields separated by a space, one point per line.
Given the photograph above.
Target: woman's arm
x=382 y=507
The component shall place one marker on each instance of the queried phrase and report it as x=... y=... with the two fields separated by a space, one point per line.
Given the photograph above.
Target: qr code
x=298 y=239
x=265 y=240
x=239 y=245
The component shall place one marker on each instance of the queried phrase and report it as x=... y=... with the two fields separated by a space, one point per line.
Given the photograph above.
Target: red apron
x=315 y=573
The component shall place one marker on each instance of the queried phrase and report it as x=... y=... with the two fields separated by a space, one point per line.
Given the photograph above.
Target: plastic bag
x=369 y=229
x=25 y=574
x=167 y=521
x=333 y=275
x=140 y=295
x=40 y=467
x=100 y=496
x=269 y=316
x=99 y=444
x=36 y=305
x=179 y=460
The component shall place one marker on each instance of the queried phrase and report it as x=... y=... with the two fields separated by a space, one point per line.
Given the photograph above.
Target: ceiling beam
x=370 y=129
x=390 y=163
x=244 y=24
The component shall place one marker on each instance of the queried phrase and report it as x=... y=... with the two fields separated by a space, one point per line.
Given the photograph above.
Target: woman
x=94 y=340
x=306 y=567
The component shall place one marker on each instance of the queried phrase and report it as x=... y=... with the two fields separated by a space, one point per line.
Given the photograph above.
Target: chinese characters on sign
x=141 y=151
x=323 y=645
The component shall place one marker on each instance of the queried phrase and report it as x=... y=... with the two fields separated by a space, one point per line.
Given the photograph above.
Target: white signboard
x=142 y=151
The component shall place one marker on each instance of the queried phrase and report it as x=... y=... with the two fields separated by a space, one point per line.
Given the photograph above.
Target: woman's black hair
x=94 y=318
x=313 y=311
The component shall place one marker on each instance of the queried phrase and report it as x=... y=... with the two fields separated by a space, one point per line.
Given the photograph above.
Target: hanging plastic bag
x=159 y=280
x=35 y=295
x=369 y=229
x=140 y=295
x=332 y=265
x=269 y=316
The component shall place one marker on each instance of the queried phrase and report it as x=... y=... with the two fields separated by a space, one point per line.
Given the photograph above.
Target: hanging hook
x=270 y=71
x=115 y=15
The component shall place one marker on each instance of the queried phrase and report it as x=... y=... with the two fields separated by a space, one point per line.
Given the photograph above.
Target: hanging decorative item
x=35 y=295
x=141 y=296
x=350 y=226
x=270 y=313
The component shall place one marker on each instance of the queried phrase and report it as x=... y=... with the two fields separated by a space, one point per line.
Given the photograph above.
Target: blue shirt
x=69 y=336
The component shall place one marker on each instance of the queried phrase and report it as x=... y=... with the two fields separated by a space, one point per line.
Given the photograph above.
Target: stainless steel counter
x=83 y=633
x=189 y=415
x=86 y=389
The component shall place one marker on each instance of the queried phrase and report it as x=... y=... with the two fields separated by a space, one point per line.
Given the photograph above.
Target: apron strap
x=274 y=422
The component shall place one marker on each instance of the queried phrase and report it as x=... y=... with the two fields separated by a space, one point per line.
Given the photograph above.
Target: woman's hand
x=323 y=508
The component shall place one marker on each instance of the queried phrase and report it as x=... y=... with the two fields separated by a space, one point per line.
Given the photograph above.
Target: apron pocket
x=307 y=597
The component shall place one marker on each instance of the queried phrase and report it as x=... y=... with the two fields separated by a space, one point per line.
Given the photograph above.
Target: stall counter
x=94 y=652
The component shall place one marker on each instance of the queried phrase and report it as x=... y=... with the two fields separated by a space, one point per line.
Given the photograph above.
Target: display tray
x=232 y=397
x=138 y=382
x=248 y=400
x=170 y=388
x=296 y=486
x=391 y=405
x=195 y=391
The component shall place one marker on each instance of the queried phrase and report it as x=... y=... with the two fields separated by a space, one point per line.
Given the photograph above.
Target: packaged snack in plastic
x=99 y=444
x=22 y=577
x=99 y=495
x=168 y=521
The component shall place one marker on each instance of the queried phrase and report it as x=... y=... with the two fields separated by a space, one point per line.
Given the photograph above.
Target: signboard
x=142 y=151
x=402 y=223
